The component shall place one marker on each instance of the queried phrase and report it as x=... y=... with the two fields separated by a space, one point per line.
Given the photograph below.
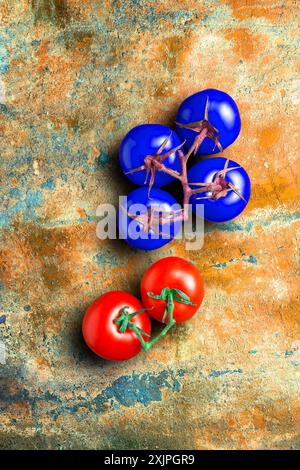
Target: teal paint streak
x=218 y=373
x=107 y=258
x=226 y=227
x=252 y=351
x=219 y=265
x=289 y=353
x=282 y=217
x=250 y=259
x=102 y=159
x=286 y=354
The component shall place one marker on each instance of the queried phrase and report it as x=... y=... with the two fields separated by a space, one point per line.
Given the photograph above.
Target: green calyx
x=124 y=321
x=167 y=295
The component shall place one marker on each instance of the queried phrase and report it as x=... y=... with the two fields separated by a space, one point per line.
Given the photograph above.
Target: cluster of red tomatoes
x=117 y=325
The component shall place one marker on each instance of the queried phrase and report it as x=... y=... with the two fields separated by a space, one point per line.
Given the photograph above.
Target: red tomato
x=174 y=273
x=102 y=334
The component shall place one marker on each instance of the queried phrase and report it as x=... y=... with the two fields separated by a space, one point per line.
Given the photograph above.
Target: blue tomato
x=149 y=140
x=222 y=113
x=228 y=187
x=139 y=222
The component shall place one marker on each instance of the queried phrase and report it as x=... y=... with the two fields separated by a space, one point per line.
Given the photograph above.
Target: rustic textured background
x=75 y=76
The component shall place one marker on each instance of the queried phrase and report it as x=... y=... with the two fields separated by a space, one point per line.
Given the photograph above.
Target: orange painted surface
x=75 y=76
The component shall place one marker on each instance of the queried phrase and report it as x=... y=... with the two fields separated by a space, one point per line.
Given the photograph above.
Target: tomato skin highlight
x=102 y=335
x=223 y=114
x=177 y=273
x=144 y=140
x=228 y=207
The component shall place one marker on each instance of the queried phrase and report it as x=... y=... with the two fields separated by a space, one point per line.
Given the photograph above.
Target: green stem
x=169 y=296
x=171 y=322
x=150 y=343
x=137 y=331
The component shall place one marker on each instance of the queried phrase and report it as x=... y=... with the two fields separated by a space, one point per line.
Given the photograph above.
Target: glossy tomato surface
x=175 y=273
x=102 y=335
x=144 y=140
x=223 y=114
x=229 y=206
x=138 y=201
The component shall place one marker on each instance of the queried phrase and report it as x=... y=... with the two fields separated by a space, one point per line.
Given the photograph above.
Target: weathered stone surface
x=75 y=76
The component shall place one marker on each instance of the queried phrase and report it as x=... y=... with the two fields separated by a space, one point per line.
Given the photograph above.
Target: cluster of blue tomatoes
x=153 y=155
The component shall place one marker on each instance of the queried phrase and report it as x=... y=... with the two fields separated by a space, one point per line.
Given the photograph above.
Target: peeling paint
x=74 y=78
x=144 y=389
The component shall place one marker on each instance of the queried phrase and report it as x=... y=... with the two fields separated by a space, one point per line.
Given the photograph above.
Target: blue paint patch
x=4 y=219
x=25 y=205
x=49 y=184
x=16 y=208
x=2 y=319
x=64 y=177
x=218 y=373
x=4 y=59
x=129 y=390
x=224 y=264
x=27 y=308
x=33 y=199
x=35 y=42
x=289 y=353
x=59 y=143
x=219 y=265
x=15 y=193
x=251 y=259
